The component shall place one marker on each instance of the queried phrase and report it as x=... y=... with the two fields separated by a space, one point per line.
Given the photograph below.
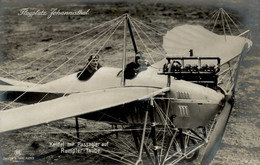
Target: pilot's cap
x=93 y=57
x=137 y=57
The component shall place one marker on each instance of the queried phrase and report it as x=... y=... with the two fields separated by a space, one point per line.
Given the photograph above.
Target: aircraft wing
x=179 y=40
x=6 y=81
x=25 y=94
x=73 y=105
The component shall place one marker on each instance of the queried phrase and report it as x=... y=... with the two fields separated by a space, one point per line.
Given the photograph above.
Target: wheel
x=194 y=155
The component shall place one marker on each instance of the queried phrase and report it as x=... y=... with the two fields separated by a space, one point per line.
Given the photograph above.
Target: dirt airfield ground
x=22 y=35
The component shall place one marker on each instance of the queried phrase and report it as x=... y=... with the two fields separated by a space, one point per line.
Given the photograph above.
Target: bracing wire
x=9 y=74
x=142 y=42
x=38 y=71
x=45 y=55
x=96 y=53
x=213 y=14
x=149 y=27
x=224 y=18
x=223 y=23
x=232 y=20
x=42 y=49
x=102 y=33
x=227 y=24
x=48 y=75
x=156 y=45
x=215 y=22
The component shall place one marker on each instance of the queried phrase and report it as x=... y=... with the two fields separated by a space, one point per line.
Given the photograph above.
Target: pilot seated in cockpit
x=133 y=68
x=91 y=67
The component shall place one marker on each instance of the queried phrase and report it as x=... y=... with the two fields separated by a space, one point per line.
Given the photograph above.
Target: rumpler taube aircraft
x=168 y=110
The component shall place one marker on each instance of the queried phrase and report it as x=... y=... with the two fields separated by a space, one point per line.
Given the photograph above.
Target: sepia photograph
x=142 y=82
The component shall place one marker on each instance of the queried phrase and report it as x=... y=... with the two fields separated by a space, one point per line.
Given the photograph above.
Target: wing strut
x=124 y=55
x=77 y=126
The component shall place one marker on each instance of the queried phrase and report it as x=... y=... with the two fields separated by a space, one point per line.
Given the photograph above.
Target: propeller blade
x=221 y=124
x=217 y=134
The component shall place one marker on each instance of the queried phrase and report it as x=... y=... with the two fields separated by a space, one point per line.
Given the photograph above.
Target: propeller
x=218 y=132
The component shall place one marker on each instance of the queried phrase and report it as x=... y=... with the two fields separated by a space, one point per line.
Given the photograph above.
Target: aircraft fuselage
x=187 y=104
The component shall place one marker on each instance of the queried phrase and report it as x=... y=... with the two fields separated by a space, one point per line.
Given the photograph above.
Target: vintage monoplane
x=168 y=111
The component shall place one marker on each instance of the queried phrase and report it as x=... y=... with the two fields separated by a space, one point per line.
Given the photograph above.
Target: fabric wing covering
x=72 y=105
x=179 y=40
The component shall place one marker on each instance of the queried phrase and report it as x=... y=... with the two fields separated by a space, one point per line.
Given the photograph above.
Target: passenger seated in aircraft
x=91 y=67
x=133 y=68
